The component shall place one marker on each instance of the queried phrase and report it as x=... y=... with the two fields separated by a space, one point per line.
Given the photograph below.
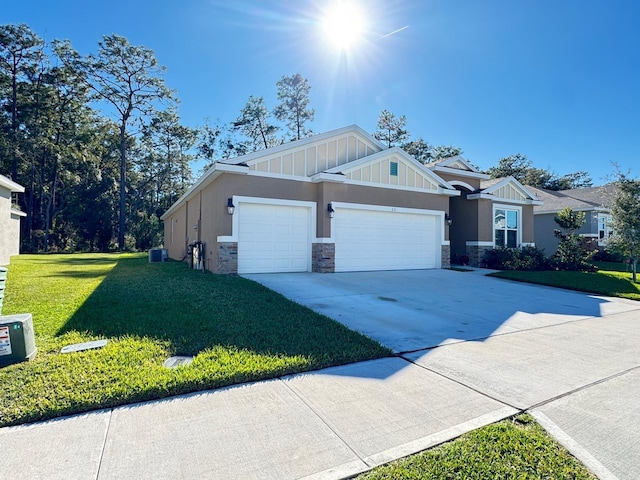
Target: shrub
x=526 y=258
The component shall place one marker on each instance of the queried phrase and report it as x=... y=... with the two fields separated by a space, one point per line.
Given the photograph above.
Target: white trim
x=528 y=244
x=328 y=177
x=238 y=199
x=589 y=235
x=439 y=191
x=11 y=185
x=459 y=183
x=440 y=240
x=462 y=173
x=498 y=206
x=307 y=143
x=18 y=213
x=491 y=196
x=479 y=244
x=322 y=240
x=388 y=208
x=279 y=176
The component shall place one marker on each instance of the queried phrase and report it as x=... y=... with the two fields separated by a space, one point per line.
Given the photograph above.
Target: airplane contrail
x=394 y=32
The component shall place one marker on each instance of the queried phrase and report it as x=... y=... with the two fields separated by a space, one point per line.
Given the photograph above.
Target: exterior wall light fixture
x=230 y=206
x=330 y=210
x=448 y=219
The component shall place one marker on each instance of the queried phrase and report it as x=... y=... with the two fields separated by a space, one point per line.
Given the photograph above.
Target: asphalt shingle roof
x=591 y=198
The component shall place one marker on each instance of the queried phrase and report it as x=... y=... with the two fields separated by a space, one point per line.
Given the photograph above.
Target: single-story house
x=593 y=201
x=9 y=220
x=342 y=201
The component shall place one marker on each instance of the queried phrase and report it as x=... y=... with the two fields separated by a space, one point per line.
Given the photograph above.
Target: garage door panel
x=273 y=238
x=369 y=240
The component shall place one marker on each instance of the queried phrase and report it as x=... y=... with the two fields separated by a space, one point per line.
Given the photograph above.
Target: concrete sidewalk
x=332 y=423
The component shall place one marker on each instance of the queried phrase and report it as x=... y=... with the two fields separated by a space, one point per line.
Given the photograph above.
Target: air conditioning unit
x=17 y=342
x=158 y=255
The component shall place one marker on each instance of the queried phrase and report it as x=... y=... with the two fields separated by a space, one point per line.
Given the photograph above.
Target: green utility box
x=17 y=342
x=3 y=283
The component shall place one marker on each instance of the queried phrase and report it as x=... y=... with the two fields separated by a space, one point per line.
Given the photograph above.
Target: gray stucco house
x=9 y=220
x=342 y=201
x=593 y=201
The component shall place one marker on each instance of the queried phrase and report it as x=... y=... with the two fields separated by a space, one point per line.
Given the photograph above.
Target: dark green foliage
x=625 y=211
x=571 y=253
x=521 y=168
x=391 y=129
x=526 y=258
x=293 y=94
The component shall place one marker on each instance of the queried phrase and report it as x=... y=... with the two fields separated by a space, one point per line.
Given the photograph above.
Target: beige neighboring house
x=341 y=201
x=9 y=220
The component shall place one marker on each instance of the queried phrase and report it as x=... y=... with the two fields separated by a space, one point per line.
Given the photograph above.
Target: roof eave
x=210 y=175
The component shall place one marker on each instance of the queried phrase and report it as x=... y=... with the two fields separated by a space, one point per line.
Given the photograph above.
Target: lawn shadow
x=195 y=311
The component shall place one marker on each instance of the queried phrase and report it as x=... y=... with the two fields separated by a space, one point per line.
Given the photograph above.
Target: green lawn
x=605 y=282
x=517 y=448
x=237 y=329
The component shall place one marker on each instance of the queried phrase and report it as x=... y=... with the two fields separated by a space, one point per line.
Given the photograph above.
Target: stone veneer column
x=227 y=257
x=323 y=257
x=446 y=256
x=476 y=255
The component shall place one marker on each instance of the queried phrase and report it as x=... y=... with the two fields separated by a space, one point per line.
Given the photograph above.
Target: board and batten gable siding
x=378 y=172
x=308 y=160
x=509 y=192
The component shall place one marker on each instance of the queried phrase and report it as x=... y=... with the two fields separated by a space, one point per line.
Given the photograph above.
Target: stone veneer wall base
x=476 y=255
x=446 y=256
x=323 y=257
x=227 y=258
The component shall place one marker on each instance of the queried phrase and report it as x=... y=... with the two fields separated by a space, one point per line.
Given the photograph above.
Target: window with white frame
x=506 y=227
x=604 y=228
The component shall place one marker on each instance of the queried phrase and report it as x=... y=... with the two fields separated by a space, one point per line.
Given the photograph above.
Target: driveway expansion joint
x=583 y=387
x=462 y=384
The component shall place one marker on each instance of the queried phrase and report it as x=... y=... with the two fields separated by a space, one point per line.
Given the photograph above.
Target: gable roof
x=303 y=142
x=411 y=173
x=457 y=165
x=323 y=157
x=581 y=199
x=507 y=189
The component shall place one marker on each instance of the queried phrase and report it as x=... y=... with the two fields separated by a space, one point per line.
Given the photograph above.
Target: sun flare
x=344 y=25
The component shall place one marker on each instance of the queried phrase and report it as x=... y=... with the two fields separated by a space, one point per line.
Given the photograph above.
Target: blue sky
x=558 y=81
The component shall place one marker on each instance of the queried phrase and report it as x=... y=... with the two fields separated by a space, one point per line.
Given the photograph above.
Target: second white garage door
x=273 y=238
x=384 y=240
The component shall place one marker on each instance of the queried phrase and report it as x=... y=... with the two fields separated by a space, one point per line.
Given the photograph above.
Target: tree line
x=392 y=131
x=98 y=143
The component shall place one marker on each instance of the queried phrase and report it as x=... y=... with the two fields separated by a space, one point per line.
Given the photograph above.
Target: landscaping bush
x=526 y=258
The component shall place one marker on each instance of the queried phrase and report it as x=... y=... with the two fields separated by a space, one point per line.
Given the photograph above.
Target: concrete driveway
x=417 y=309
x=571 y=359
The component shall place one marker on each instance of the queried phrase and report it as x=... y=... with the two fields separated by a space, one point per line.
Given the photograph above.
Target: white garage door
x=384 y=240
x=273 y=238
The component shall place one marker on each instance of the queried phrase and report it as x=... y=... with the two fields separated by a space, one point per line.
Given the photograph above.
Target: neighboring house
x=342 y=201
x=593 y=201
x=9 y=220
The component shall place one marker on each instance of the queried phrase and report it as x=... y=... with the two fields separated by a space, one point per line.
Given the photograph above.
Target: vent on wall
x=393 y=169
